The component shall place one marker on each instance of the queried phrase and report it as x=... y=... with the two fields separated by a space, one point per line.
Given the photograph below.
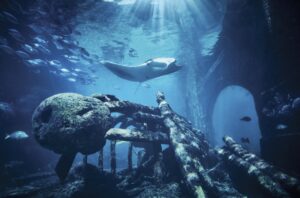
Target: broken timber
x=270 y=178
x=113 y=160
x=125 y=107
x=136 y=136
x=189 y=150
x=100 y=160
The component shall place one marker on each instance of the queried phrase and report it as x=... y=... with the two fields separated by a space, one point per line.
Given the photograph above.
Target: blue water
x=70 y=39
x=234 y=103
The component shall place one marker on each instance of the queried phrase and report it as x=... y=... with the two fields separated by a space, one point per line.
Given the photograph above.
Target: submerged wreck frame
x=204 y=171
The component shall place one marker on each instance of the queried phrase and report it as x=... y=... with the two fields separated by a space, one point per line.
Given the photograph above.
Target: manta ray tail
x=137 y=87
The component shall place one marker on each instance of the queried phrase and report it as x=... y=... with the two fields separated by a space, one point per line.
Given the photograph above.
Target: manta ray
x=150 y=69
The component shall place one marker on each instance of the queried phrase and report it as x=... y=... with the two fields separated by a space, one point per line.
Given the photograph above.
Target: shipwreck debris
x=190 y=153
x=137 y=136
x=70 y=123
x=272 y=180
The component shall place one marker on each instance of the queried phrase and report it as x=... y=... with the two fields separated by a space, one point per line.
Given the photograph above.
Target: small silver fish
x=7 y=49
x=65 y=70
x=17 y=135
x=53 y=72
x=58 y=45
x=35 y=62
x=42 y=48
x=56 y=37
x=40 y=40
x=73 y=50
x=281 y=127
x=74 y=74
x=72 y=59
x=55 y=63
x=296 y=103
x=16 y=35
x=42 y=13
x=36 y=28
x=77 y=70
x=14 y=5
x=67 y=42
x=27 y=48
x=22 y=54
x=9 y=17
x=64 y=74
x=72 y=79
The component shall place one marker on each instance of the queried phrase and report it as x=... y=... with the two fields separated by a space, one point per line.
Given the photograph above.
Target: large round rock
x=70 y=122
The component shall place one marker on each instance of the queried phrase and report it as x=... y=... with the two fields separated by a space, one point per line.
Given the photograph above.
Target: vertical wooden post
x=130 y=157
x=113 y=157
x=158 y=168
x=140 y=156
x=85 y=160
x=100 y=160
x=156 y=150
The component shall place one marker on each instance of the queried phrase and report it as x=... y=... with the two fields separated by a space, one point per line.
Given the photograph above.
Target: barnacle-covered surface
x=271 y=179
x=189 y=167
x=137 y=136
x=71 y=122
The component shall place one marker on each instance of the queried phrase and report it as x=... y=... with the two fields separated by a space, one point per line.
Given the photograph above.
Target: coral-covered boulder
x=69 y=122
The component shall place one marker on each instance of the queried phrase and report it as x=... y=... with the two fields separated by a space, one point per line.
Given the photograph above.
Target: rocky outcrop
x=71 y=122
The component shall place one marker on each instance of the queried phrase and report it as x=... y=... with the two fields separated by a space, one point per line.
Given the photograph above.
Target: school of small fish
x=42 y=45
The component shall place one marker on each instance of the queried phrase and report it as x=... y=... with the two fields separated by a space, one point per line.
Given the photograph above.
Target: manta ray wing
x=136 y=74
x=146 y=71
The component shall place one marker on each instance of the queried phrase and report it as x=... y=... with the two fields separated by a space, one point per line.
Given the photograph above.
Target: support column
x=113 y=157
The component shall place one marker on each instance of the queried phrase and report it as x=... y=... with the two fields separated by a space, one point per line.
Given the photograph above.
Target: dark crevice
x=83 y=111
x=46 y=114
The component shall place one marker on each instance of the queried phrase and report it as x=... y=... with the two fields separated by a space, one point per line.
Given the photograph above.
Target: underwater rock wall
x=280 y=113
x=260 y=54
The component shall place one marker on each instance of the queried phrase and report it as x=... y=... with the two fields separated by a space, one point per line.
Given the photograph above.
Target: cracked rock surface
x=70 y=122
